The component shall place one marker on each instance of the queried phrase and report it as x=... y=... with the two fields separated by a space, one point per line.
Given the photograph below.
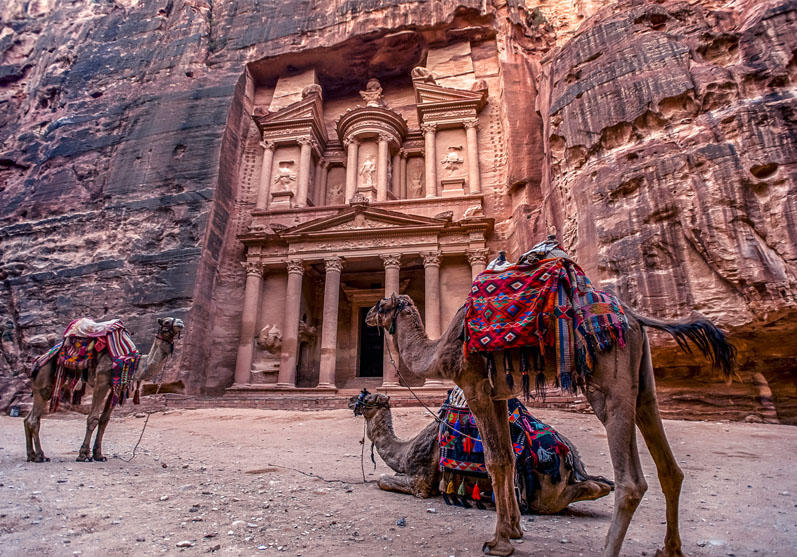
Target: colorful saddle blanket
x=537 y=446
x=83 y=340
x=550 y=304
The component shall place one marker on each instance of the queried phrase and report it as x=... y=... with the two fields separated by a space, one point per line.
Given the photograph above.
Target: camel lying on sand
x=100 y=379
x=416 y=462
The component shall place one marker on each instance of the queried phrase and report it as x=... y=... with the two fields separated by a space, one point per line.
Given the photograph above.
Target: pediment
x=429 y=94
x=357 y=221
x=307 y=111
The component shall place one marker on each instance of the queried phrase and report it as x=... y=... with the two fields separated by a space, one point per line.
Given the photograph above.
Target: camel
x=621 y=390
x=416 y=462
x=99 y=378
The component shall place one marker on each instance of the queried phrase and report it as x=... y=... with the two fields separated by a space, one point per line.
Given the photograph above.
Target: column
x=305 y=164
x=290 y=336
x=403 y=175
x=265 y=174
x=431 y=272
x=395 y=187
x=478 y=261
x=352 y=146
x=430 y=158
x=254 y=283
x=474 y=182
x=392 y=285
x=321 y=182
x=329 y=325
x=381 y=167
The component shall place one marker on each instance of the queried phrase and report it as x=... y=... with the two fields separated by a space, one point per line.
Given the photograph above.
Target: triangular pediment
x=359 y=221
x=431 y=94
x=305 y=109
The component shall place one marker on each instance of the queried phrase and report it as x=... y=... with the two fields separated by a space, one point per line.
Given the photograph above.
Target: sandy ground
x=215 y=480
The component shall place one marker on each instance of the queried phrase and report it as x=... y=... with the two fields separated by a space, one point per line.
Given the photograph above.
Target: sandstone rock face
x=671 y=152
x=656 y=138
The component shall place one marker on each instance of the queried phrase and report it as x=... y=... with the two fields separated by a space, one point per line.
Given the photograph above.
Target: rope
x=434 y=415
x=146 y=421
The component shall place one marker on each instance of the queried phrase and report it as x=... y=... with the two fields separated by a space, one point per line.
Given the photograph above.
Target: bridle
x=361 y=403
x=168 y=333
x=399 y=306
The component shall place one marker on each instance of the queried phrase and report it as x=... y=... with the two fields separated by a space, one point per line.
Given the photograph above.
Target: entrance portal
x=371 y=348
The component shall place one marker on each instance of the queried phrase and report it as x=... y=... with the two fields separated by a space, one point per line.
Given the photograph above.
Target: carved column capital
x=268 y=145
x=253 y=267
x=347 y=141
x=477 y=256
x=333 y=264
x=305 y=141
x=471 y=123
x=391 y=260
x=429 y=128
x=295 y=266
x=431 y=259
x=404 y=154
x=386 y=137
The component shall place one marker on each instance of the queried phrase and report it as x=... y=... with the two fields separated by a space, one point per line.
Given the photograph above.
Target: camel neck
x=390 y=448
x=416 y=350
x=156 y=358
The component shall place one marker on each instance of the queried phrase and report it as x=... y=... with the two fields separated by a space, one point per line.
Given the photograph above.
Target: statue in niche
x=270 y=339
x=368 y=171
x=452 y=161
x=335 y=193
x=373 y=93
x=285 y=175
x=417 y=180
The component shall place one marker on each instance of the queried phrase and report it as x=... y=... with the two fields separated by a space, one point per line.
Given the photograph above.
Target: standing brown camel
x=99 y=378
x=621 y=390
x=417 y=462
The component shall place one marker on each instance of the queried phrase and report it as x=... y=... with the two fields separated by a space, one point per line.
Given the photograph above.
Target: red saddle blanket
x=551 y=304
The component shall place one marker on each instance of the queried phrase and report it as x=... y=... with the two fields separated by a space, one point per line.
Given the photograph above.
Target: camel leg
x=42 y=391
x=491 y=418
x=101 y=390
x=618 y=417
x=104 y=418
x=670 y=475
x=399 y=483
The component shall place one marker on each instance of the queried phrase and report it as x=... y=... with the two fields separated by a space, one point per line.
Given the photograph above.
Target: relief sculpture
x=285 y=175
x=453 y=161
x=368 y=172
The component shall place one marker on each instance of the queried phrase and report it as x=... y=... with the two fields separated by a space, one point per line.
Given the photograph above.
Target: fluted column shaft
x=392 y=286
x=395 y=185
x=431 y=272
x=254 y=283
x=381 y=168
x=474 y=181
x=353 y=147
x=329 y=326
x=305 y=165
x=290 y=338
x=403 y=176
x=430 y=158
x=265 y=175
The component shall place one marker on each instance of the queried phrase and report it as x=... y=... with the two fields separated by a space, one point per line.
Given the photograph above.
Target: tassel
x=442 y=488
x=450 y=487
x=467 y=445
x=491 y=369
x=461 y=493
x=524 y=360
x=508 y=369
x=539 y=385
x=526 y=386
x=477 y=496
x=566 y=381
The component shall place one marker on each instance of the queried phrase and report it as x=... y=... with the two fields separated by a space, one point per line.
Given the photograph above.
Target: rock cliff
x=658 y=139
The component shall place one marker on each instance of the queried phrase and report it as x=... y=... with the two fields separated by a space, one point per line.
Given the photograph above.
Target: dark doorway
x=371 y=347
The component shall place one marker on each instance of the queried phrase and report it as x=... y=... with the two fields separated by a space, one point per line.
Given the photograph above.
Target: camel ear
x=160 y=320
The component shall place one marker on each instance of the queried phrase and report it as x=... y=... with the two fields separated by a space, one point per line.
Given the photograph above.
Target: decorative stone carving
x=268 y=145
x=286 y=176
x=333 y=264
x=312 y=89
x=445 y=215
x=391 y=260
x=359 y=200
x=270 y=339
x=307 y=333
x=424 y=75
x=350 y=141
x=252 y=267
x=453 y=161
x=477 y=257
x=368 y=172
x=431 y=259
x=373 y=94
x=475 y=211
x=429 y=128
x=416 y=177
x=334 y=193
x=295 y=266
x=472 y=123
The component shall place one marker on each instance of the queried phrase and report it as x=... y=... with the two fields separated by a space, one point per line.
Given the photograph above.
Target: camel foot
x=38 y=458
x=498 y=547
x=83 y=458
x=100 y=458
x=669 y=552
x=516 y=533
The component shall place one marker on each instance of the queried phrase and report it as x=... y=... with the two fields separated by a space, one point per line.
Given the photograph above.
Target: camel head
x=384 y=313
x=367 y=404
x=169 y=329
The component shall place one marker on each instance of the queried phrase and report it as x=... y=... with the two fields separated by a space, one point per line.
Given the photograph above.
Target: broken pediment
x=304 y=117
x=358 y=220
x=439 y=104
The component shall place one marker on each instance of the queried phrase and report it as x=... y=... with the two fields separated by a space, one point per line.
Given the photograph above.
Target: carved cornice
x=477 y=256
x=253 y=267
x=391 y=260
x=295 y=266
x=333 y=264
x=431 y=259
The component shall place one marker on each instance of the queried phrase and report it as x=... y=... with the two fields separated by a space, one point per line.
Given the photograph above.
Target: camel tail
x=702 y=333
